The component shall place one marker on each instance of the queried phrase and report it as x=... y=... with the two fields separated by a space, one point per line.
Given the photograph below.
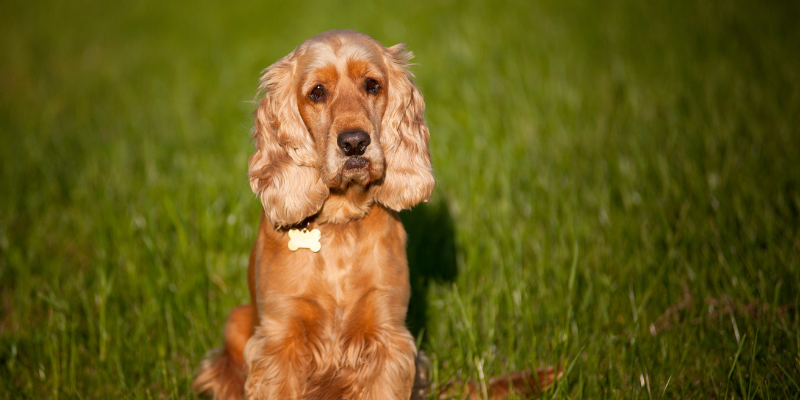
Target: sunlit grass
x=618 y=190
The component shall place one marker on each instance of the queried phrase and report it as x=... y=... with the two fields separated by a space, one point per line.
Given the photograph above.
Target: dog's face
x=339 y=112
x=342 y=93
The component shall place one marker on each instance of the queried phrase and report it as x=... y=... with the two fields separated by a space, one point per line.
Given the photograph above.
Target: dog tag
x=304 y=239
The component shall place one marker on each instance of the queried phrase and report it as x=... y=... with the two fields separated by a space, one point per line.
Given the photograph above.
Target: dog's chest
x=341 y=264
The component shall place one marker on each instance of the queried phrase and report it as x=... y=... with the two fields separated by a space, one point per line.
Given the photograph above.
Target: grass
x=618 y=190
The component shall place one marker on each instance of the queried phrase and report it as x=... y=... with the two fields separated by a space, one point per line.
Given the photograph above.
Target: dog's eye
x=372 y=86
x=317 y=94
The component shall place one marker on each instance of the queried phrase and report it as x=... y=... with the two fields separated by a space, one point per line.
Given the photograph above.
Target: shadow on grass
x=431 y=256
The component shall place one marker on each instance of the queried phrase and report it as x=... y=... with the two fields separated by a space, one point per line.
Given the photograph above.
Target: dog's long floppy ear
x=283 y=170
x=404 y=137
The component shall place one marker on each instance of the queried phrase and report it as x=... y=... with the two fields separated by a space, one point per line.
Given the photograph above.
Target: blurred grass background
x=618 y=189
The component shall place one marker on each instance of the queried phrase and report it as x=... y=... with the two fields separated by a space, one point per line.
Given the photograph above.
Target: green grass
x=618 y=190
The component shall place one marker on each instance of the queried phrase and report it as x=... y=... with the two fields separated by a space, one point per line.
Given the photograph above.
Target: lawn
x=618 y=190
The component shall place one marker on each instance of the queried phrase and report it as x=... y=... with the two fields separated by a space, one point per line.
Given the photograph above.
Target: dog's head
x=339 y=113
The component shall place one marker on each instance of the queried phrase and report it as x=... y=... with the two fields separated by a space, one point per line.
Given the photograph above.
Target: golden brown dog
x=341 y=146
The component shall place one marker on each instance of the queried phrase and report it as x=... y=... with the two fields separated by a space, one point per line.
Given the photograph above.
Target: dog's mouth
x=355 y=170
x=355 y=163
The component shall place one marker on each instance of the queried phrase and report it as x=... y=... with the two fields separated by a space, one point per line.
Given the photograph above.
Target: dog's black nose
x=353 y=143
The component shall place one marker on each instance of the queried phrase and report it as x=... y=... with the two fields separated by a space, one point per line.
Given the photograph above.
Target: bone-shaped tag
x=304 y=239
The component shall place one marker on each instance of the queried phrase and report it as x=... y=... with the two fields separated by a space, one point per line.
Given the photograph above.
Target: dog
x=341 y=146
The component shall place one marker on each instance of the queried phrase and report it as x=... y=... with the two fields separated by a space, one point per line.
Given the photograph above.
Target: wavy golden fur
x=297 y=166
x=341 y=146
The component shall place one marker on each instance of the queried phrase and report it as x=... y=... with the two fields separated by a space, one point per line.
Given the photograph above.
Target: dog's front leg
x=391 y=364
x=281 y=354
x=378 y=349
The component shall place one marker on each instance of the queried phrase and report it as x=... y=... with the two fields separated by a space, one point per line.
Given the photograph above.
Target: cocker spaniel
x=341 y=147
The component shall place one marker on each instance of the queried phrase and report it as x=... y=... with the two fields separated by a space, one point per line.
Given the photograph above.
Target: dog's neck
x=344 y=206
